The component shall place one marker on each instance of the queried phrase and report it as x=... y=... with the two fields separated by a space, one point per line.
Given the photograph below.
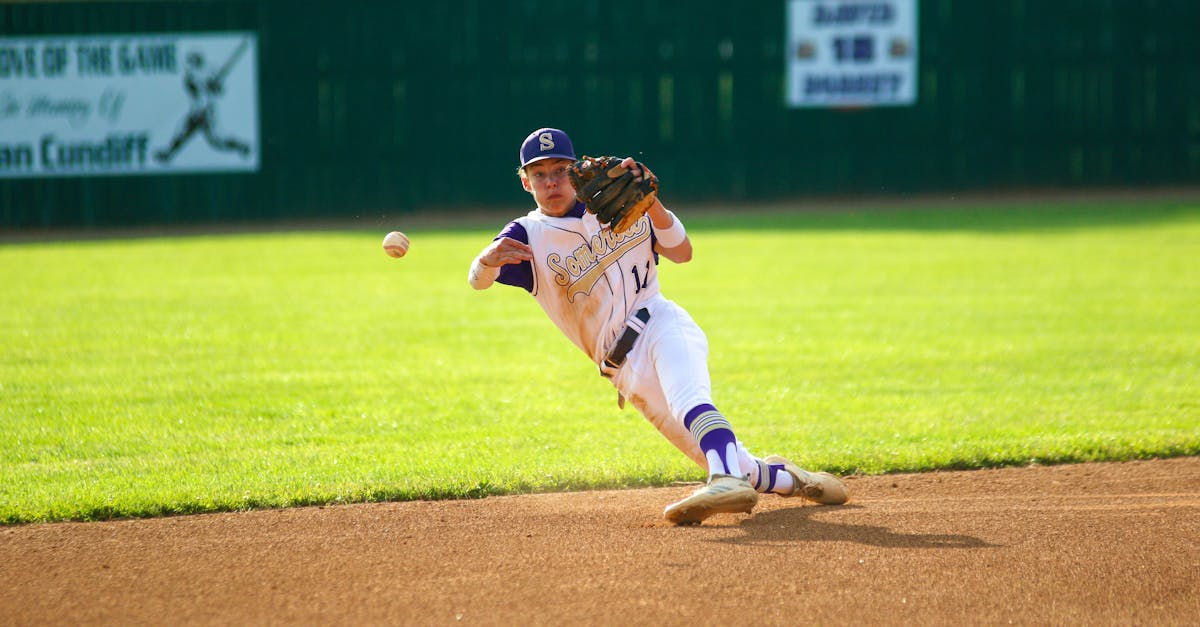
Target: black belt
x=624 y=344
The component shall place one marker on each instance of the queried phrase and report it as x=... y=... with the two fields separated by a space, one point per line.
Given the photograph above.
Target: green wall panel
x=374 y=106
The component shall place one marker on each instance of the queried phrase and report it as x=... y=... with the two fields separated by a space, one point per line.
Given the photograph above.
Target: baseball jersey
x=588 y=279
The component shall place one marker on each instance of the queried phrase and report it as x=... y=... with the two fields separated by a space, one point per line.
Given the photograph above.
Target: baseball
x=395 y=244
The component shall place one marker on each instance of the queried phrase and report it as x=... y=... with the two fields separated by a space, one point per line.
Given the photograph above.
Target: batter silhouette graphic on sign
x=203 y=89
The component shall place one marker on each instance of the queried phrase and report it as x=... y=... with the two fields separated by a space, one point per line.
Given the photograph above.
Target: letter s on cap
x=546 y=141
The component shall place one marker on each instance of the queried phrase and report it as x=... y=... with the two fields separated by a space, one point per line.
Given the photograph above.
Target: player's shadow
x=809 y=524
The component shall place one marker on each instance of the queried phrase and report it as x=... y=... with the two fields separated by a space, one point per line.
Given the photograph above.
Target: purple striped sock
x=766 y=476
x=715 y=436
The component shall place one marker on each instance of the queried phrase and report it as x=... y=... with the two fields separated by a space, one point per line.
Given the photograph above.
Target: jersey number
x=639 y=283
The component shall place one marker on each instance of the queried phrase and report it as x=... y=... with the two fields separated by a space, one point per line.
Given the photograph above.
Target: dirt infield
x=1082 y=544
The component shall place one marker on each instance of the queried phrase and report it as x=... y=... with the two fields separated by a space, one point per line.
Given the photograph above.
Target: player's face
x=551 y=188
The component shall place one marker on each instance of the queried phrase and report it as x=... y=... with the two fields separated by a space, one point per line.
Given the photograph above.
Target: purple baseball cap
x=546 y=143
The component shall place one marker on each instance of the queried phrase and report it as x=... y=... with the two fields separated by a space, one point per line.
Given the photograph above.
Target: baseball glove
x=613 y=193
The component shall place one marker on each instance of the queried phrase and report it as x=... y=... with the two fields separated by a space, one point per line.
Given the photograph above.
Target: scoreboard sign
x=851 y=53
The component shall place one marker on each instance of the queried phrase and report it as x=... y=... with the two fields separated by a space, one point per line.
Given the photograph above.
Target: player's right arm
x=501 y=252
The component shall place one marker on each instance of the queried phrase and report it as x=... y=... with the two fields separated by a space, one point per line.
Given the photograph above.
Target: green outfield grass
x=156 y=376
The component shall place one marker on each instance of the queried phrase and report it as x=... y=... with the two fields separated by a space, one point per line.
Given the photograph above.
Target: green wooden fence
x=373 y=106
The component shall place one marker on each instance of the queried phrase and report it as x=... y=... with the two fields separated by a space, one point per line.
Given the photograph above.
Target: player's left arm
x=673 y=242
x=668 y=230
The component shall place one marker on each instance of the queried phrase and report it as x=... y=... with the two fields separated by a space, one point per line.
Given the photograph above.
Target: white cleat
x=820 y=487
x=724 y=494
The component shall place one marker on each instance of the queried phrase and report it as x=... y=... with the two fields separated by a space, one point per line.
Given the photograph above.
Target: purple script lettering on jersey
x=580 y=271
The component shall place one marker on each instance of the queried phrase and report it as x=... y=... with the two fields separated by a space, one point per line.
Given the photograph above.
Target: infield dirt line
x=1093 y=544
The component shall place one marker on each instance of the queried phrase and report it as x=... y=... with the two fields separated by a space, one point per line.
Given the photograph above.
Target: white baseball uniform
x=591 y=282
x=601 y=289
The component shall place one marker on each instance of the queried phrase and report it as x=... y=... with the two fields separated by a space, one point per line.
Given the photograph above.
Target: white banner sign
x=851 y=53
x=128 y=104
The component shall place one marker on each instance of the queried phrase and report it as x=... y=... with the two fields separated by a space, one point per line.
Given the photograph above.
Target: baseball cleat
x=724 y=494
x=820 y=487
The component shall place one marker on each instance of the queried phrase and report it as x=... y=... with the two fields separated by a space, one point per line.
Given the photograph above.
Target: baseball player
x=600 y=287
x=202 y=89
